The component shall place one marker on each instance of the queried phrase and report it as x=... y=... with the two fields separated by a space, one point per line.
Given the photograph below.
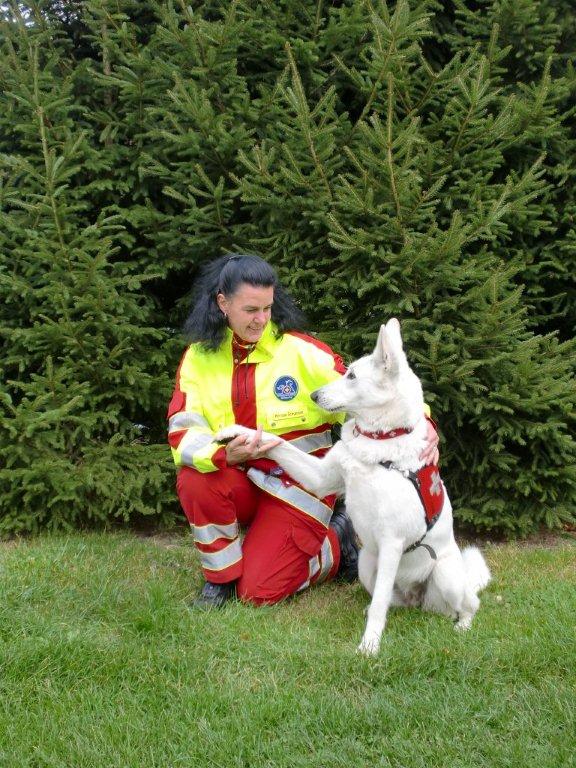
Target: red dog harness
x=426 y=481
x=430 y=490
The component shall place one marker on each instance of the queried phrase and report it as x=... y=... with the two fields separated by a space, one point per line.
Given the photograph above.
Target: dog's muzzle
x=315 y=397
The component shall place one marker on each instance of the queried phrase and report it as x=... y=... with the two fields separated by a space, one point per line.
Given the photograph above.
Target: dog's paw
x=463 y=624
x=229 y=433
x=369 y=646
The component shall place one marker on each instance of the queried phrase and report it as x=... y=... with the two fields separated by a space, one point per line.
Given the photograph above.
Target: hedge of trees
x=414 y=159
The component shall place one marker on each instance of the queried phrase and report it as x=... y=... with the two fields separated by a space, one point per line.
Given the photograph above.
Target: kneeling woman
x=250 y=363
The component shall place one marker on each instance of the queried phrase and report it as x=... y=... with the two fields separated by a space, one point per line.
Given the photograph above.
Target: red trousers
x=284 y=549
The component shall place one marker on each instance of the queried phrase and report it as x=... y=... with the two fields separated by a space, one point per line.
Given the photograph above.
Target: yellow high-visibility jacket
x=270 y=388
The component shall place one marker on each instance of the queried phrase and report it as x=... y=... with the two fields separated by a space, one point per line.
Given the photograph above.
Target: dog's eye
x=351 y=375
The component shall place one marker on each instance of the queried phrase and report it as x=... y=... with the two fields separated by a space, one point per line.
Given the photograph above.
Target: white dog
x=409 y=555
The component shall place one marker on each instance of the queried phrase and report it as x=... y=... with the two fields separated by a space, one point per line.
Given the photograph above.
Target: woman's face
x=248 y=310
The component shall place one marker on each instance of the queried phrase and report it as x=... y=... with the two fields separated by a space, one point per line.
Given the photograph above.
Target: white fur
x=382 y=393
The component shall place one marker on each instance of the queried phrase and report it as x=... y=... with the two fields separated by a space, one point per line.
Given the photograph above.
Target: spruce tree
x=416 y=209
x=530 y=47
x=410 y=158
x=80 y=355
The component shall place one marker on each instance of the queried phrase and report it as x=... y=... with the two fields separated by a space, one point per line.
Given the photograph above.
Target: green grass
x=102 y=664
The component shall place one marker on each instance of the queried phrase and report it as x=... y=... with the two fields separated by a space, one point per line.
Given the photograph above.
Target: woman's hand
x=243 y=448
x=430 y=454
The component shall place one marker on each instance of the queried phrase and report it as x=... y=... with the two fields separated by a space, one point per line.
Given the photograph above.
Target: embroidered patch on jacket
x=286 y=388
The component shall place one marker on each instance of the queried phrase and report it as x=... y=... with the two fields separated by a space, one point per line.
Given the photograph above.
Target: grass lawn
x=102 y=664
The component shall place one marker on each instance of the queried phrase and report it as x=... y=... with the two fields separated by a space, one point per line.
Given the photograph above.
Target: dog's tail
x=477 y=571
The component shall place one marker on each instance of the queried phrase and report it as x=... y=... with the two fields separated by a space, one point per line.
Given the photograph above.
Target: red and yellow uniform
x=288 y=544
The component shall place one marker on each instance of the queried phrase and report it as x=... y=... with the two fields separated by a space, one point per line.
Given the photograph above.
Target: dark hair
x=206 y=323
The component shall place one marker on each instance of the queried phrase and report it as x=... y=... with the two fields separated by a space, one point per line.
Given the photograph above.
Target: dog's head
x=378 y=386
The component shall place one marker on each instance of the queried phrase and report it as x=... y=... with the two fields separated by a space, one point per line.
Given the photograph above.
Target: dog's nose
x=314 y=395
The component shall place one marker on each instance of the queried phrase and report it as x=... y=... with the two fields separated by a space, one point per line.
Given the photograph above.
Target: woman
x=249 y=363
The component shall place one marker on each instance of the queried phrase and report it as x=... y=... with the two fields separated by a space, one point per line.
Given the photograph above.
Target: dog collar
x=381 y=435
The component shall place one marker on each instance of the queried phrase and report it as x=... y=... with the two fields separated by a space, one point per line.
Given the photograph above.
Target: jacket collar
x=265 y=347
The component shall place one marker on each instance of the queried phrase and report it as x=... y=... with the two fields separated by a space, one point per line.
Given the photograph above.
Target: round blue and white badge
x=285 y=388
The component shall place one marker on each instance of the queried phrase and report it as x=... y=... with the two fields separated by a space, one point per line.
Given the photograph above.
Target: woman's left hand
x=431 y=454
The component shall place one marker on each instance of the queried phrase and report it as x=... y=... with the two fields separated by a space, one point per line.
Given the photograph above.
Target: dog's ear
x=388 y=350
x=394 y=334
x=381 y=352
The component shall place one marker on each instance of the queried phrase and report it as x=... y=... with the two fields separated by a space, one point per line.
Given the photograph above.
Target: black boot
x=214 y=595
x=341 y=523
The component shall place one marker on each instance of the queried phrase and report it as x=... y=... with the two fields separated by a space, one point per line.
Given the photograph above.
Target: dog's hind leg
x=448 y=591
x=389 y=555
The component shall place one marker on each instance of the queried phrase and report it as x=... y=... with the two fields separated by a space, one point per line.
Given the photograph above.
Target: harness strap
x=419 y=543
x=430 y=521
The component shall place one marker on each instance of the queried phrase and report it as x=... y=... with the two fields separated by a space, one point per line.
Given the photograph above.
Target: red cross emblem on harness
x=431 y=491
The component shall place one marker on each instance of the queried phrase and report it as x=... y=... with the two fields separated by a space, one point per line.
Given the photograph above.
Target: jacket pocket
x=306 y=540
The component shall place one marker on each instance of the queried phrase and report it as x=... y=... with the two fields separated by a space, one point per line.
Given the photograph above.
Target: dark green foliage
x=530 y=48
x=82 y=365
x=412 y=158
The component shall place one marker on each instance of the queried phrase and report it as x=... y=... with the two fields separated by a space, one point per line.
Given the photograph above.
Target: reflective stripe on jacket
x=287 y=370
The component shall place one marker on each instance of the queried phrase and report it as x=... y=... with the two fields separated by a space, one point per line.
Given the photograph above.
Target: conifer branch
x=278 y=86
x=189 y=15
x=437 y=78
x=473 y=99
x=107 y=70
x=494 y=32
x=381 y=74
x=318 y=19
x=48 y=164
x=305 y=123
x=389 y=156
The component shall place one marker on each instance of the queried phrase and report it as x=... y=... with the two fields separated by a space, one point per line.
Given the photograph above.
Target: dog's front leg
x=320 y=476
x=389 y=554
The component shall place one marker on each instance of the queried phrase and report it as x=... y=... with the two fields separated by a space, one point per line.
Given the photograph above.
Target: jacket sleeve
x=189 y=434
x=332 y=367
